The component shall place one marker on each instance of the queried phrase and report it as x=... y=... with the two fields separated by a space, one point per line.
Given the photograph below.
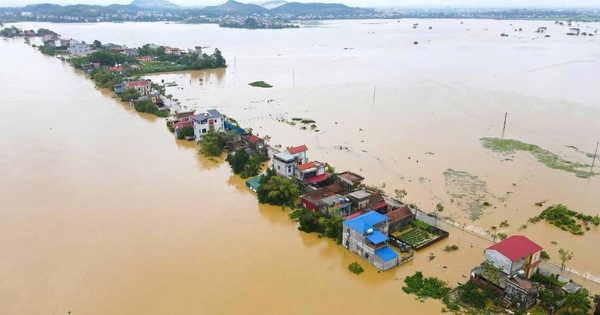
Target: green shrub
x=356 y=268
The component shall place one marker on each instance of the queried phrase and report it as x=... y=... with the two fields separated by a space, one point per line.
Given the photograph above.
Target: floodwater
x=104 y=212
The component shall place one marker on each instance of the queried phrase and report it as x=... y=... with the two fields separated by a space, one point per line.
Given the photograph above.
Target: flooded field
x=104 y=212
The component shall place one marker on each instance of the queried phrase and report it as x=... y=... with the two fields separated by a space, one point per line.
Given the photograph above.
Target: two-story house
x=507 y=267
x=360 y=199
x=212 y=120
x=309 y=170
x=78 y=48
x=366 y=235
x=285 y=163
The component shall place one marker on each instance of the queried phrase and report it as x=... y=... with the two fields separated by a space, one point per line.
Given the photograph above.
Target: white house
x=212 y=120
x=300 y=153
x=366 y=236
x=284 y=164
x=78 y=48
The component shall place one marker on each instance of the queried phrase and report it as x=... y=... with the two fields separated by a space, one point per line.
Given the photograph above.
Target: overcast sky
x=359 y=3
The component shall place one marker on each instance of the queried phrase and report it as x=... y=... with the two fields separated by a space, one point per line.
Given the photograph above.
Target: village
x=380 y=230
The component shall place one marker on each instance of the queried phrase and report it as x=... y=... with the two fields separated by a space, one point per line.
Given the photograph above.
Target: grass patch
x=356 y=268
x=544 y=156
x=468 y=192
x=566 y=219
x=260 y=84
x=418 y=235
x=450 y=248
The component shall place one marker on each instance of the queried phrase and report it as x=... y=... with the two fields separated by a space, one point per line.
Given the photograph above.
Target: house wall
x=302 y=157
x=202 y=129
x=498 y=260
x=283 y=168
x=309 y=205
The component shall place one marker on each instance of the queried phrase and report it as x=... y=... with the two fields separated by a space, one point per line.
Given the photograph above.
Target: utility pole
x=374 y=91
x=504 y=128
x=594 y=160
x=293 y=77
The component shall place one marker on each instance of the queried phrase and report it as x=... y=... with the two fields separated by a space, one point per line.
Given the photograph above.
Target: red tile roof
x=319 y=178
x=115 y=69
x=352 y=216
x=516 y=247
x=254 y=139
x=138 y=83
x=399 y=214
x=182 y=124
x=298 y=149
x=379 y=206
x=306 y=166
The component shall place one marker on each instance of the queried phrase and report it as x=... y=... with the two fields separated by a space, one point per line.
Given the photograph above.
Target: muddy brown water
x=104 y=212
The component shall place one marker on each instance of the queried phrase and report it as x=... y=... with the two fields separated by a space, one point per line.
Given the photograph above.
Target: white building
x=514 y=254
x=212 y=120
x=78 y=48
x=284 y=164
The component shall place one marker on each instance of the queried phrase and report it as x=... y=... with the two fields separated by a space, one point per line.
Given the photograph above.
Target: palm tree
x=494 y=234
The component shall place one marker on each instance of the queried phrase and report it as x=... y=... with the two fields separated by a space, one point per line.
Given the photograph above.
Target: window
x=367 y=255
x=203 y=130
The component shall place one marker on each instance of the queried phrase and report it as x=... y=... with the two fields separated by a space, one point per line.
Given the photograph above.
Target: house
x=366 y=236
x=335 y=205
x=64 y=43
x=177 y=127
x=573 y=32
x=542 y=29
x=172 y=51
x=377 y=203
x=115 y=70
x=198 y=50
x=256 y=143
x=284 y=164
x=300 y=153
x=145 y=58
x=514 y=254
x=212 y=120
x=78 y=48
x=359 y=199
x=143 y=87
x=180 y=116
x=111 y=46
x=507 y=267
x=131 y=52
x=309 y=170
x=311 y=199
x=399 y=218
x=351 y=179
x=89 y=67
x=48 y=37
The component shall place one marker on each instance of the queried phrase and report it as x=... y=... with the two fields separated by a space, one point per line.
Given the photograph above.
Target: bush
x=238 y=161
x=450 y=248
x=356 y=268
x=187 y=131
x=469 y=294
x=425 y=287
x=213 y=143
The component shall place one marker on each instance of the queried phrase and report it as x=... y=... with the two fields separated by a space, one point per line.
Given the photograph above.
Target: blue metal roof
x=377 y=237
x=366 y=221
x=386 y=253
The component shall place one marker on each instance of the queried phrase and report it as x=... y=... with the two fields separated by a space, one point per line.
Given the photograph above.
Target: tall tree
x=565 y=256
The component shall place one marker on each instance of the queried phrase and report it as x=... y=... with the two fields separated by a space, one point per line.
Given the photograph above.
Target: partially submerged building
x=507 y=268
x=366 y=236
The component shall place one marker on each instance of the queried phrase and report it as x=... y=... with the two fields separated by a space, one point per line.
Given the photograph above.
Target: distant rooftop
x=366 y=221
x=360 y=194
x=353 y=177
x=285 y=157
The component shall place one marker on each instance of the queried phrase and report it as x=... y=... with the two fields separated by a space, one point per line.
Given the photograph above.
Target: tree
x=544 y=256
x=469 y=293
x=187 y=131
x=494 y=233
x=130 y=94
x=238 y=161
x=564 y=256
x=439 y=207
x=276 y=190
x=578 y=302
x=218 y=60
x=107 y=57
x=400 y=194
x=97 y=44
x=213 y=143
x=502 y=236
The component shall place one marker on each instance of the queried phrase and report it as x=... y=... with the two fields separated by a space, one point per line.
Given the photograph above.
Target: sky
x=357 y=3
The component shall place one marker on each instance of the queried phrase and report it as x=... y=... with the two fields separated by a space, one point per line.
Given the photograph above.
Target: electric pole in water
x=374 y=91
x=504 y=128
x=594 y=160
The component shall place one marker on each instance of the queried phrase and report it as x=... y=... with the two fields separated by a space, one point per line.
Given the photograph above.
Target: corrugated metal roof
x=516 y=247
x=366 y=221
x=386 y=253
x=377 y=237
